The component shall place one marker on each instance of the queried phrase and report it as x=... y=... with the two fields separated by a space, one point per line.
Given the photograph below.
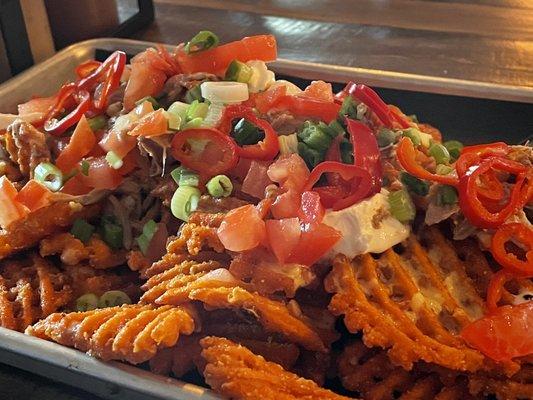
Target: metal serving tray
x=120 y=381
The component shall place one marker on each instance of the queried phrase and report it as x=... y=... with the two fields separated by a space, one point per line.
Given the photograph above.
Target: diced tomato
x=264 y=101
x=283 y=236
x=319 y=90
x=75 y=186
x=33 y=195
x=315 y=241
x=291 y=173
x=145 y=80
x=100 y=175
x=311 y=209
x=216 y=61
x=37 y=104
x=242 y=229
x=81 y=143
x=119 y=142
x=241 y=169
x=11 y=210
x=504 y=334
x=153 y=124
x=256 y=179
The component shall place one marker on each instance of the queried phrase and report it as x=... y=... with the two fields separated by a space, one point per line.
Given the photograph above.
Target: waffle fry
x=28 y=293
x=27 y=232
x=131 y=333
x=413 y=304
x=519 y=387
x=370 y=373
x=236 y=372
x=73 y=251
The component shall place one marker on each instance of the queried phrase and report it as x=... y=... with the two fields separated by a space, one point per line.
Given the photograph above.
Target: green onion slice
x=219 y=186
x=443 y=169
x=401 y=206
x=315 y=136
x=194 y=93
x=446 y=195
x=49 y=175
x=112 y=234
x=311 y=156
x=439 y=153
x=203 y=40
x=146 y=236
x=184 y=202
x=386 y=137
x=114 y=160
x=288 y=144
x=414 y=185
x=82 y=230
x=113 y=298
x=238 y=71
x=185 y=177
x=85 y=167
x=414 y=135
x=87 y=302
x=197 y=110
x=454 y=148
x=97 y=123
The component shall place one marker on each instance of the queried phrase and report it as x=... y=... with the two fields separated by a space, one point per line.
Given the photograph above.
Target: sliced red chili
x=406 y=153
x=109 y=72
x=57 y=127
x=301 y=106
x=495 y=289
x=205 y=150
x=267 y=148
x=86 y=68
x=474 y=209
x=360 y=179
x=523 y=236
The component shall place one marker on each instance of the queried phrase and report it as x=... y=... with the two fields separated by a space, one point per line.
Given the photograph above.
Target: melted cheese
x=366 y=227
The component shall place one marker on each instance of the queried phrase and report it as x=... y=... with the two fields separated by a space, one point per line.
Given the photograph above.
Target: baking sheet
x=119 y=381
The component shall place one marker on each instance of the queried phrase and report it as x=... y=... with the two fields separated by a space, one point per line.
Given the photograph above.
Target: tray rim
x=374 y=77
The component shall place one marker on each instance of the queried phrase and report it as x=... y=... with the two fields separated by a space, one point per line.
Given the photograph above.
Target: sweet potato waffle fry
x=402 y=302
x=236 y=372
x=130 y=333
x=27 y=232
x=29 y=290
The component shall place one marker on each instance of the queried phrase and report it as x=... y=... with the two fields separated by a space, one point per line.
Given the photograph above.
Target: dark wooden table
x=488 y=40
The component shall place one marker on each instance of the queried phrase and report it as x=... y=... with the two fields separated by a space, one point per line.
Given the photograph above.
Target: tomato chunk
x=242 y=229
x=315 y=241
x=11 y=210
x=503 y=335
x=283 y=236
x=81 y=143
x=33 y=195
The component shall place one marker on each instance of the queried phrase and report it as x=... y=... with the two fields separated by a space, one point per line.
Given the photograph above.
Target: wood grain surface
x=490 y=40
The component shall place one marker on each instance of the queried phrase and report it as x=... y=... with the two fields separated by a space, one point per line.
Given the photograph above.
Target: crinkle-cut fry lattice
x=27 y=232
x=370 y=373
x=519 y=387
x=184 y=282
x=409 y=304
x=131 y=333
x=236 y=372
x=28 y=293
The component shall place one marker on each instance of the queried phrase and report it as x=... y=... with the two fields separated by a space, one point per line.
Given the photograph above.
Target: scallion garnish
x=414 y=135
x=219 y=186
x=114 y=160
x=238 y=71
x=439 y=153
x=184 y=202
x=144 y=239
x=314 y=136
x=82 y=230
x=386 y=137
x=197 y=110
x=203 y=40
x=401 y=206
x=446 y=195
x=49 y=175
x=97 y=123
x=454 y=148
x=193 y=94
x=85 y=167
x=111 y=232
x=414 y=185
x=288 y=144
x=113 y=298
x=311 y=156
x=87 y=302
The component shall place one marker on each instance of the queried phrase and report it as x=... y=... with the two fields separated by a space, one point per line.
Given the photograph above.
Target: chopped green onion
x=176 y=173
x=311 y=156
x=184 y=202
x=238 y=71
x=97 y=123
x=49 y=175
x=454 y=148
x=149 y=99
x=144 y=239
x=348 y=109
x=193 y=123
x=203 y=40
x=313 y=135
x=185 y=177
x=246 y=133
x=439 y=153
x=87 y=302
x=214 y=114
x=114 y=160
x=335 y=129
x=174 y=121
x=386 y=137
x=193 y=94
x=414 y=135
x=446 y=195
x=443 y=169
x=179 y=109
x=82 y=230
x=414 y=185
x=288 y=144
x=111 y=232
x=219 y=186
x=113 y=298
x=85 y=167
x=401 y=206
x=197 y=110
